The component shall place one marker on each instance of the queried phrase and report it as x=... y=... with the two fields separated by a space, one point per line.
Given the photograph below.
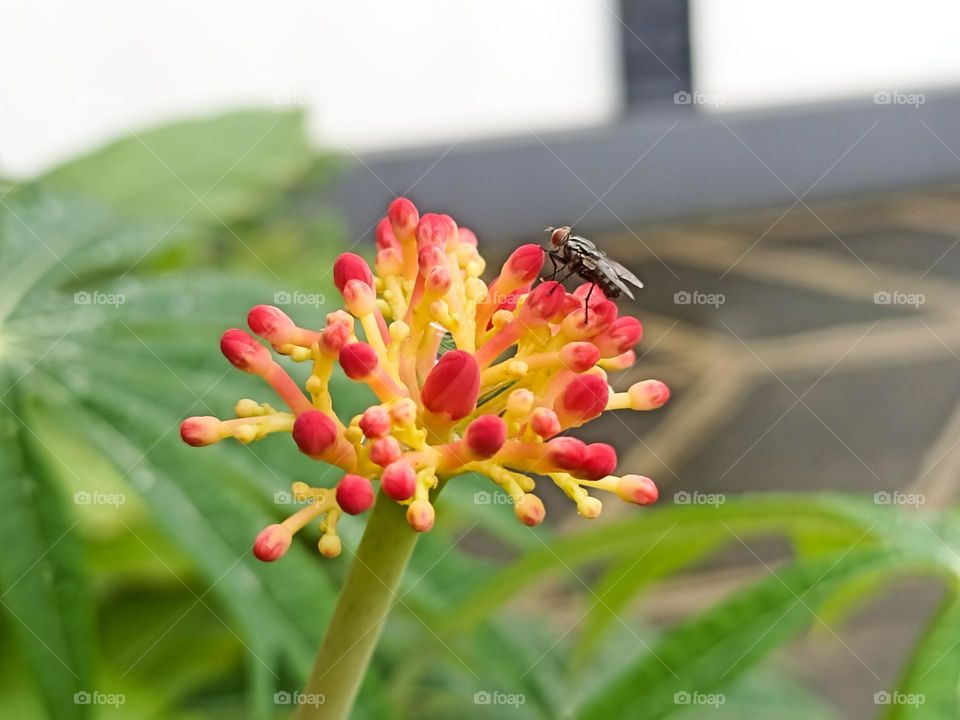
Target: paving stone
x=916 y=251
x=750 y=307
x=867 y=432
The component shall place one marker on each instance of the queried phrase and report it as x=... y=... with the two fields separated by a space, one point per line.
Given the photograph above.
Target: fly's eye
x=559 y=236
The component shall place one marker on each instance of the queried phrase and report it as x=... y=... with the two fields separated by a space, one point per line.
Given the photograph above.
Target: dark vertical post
x=656 y=49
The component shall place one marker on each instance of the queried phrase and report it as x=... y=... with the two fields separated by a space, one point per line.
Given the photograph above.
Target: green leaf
x=707 y=653
x=763 y=693
x=930 y=687
x=209 y=170
x=665 y=531
x=626 y=578
x=42 y=583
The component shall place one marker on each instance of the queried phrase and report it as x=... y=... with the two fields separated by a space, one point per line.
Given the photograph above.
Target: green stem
x=361 y=611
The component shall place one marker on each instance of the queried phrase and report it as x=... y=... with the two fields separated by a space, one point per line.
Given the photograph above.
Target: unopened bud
x=201 y=431
x=272 y=543
x=486 y=435
x=330 y=545
x=399 y=480
x=354 y=494
x=637 y=489
x=244 y=352
x=375 y=422
x=420 y=515
x=529 y=509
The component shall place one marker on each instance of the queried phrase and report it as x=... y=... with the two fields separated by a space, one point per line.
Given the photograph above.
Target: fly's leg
x=553 y=261
x=560 y=281
x=586 y=304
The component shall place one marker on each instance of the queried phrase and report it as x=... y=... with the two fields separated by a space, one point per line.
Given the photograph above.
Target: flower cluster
x=468 y=377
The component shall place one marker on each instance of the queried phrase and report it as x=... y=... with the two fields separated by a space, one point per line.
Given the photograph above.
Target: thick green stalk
x=361 y=611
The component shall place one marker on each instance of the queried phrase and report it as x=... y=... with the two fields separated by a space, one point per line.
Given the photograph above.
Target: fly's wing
x=622 y=272
x=609 y=270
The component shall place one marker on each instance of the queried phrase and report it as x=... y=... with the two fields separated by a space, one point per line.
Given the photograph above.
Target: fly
x=580 y=257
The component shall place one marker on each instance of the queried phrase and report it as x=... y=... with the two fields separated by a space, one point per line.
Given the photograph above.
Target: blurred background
x=784 y=178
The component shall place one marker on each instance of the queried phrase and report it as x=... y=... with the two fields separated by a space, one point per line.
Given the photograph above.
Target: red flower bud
x=272 y=543
x=431 y=256
x=244 y=352
x=358 y=360
x=403 y=216
x=340 y=317
x=375 y=422
x=621 y=361
x=600 y=461
x=359 y=297
x=571 y=303
x=389 y=262
x=580 y=324
x=648 y=395
x=596 y=297
x=579 y=356
x=523 y=265
x=545 y=422
x=433 y=230
x=543 y=303
x=467 y=237
x=584 y=398
x=349 y=266
x=272 y=324
x=354 y=494
x=486 y=435
x=333 y=338
x=453 y=385
x=438 y=281
x=621 y=336
x=404 y=412
x=452 y=230
x=385 y=235
x=385 y=450
x=200 y=431
x=529 y=509
x=637 y=489
x=314 y=432
x=399 y=480
x=566 y=453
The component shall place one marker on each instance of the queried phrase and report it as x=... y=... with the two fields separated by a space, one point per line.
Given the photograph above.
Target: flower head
x=530 y=362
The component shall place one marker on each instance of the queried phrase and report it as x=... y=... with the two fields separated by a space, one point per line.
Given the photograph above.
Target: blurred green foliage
x=126 y=567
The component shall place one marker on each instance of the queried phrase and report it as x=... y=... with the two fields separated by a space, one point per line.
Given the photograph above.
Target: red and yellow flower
x=529 y=364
